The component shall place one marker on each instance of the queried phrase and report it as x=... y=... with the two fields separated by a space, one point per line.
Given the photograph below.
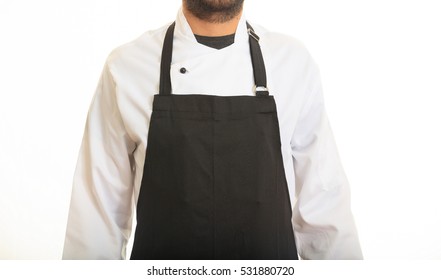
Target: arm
x=323 y=222
x=100 y=214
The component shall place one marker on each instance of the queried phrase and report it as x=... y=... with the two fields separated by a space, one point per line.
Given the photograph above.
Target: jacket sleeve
x=322 y=218
x=100 y=214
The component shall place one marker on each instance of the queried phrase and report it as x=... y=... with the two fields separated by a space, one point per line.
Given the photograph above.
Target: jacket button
x=183 y=70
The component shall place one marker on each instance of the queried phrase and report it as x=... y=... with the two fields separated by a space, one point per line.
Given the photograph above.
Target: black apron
x=214 y=185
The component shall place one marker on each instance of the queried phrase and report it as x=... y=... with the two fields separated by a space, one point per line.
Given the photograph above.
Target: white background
x=381 y=67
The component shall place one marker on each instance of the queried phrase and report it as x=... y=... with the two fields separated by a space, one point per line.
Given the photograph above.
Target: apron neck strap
x=167 y=50
x=256 y=58
x=258 y=63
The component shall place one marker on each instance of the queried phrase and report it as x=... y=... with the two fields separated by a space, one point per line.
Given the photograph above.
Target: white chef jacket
x=110 y=165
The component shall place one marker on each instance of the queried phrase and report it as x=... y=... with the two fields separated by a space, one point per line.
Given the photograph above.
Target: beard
x=214 y=11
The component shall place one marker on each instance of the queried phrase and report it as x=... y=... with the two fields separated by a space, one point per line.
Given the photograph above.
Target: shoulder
x=285 y=52
x=146 y=47
x=282 y=43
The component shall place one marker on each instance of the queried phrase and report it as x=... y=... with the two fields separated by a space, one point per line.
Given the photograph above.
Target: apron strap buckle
x=260 y=90
x=253 y=34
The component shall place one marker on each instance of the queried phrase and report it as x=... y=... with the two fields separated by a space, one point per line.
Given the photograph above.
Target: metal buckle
x=260 y=88
x=254 y=35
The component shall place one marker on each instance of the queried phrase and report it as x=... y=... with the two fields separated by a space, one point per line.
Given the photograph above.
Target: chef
x=212 y=132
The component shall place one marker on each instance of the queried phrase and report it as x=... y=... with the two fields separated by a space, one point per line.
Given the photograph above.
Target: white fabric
x=110 y=164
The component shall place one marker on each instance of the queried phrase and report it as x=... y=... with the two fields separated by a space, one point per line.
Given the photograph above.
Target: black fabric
x=218 y=42
x=213 y=185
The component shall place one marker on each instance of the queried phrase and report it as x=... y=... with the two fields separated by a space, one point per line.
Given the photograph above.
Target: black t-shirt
x=218 y=42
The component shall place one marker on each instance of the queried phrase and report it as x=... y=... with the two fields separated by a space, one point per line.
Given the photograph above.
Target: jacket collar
x=183 y=29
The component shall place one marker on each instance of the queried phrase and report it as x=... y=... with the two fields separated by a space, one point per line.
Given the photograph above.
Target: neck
x=205 y=28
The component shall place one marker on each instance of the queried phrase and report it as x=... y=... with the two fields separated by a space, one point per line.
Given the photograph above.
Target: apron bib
x=214 y=185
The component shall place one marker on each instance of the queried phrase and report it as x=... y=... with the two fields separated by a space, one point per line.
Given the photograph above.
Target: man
x=216 y=129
